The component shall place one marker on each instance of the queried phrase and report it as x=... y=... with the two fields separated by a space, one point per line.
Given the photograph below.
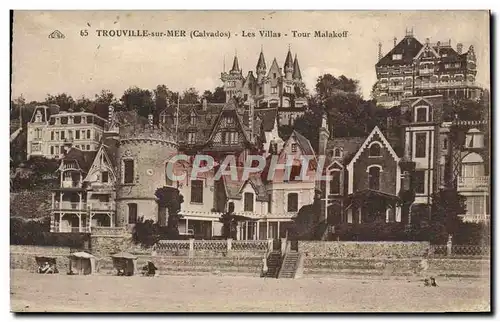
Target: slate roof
x=233 y=187
x=304 y=143
x=408 y=47
x=349 y=146
x=84 y=158
x=206 y=119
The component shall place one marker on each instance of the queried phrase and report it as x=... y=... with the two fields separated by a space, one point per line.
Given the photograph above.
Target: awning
x=82 y=255
x=124 y=255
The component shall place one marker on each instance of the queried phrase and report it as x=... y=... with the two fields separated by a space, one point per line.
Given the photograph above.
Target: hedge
x=33 y=232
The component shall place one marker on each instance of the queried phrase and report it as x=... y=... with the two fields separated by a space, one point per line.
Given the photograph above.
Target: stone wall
x=323 y=249
x=106 y=241
x=392 y=268
x=23 y=256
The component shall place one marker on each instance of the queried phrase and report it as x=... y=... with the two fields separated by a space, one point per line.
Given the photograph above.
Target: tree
x=65 y=101
x=447 y=205
x=15 y=107
x=169 y=199
x=164 y=97
x=102 y=102
x=83 y=104
x=190 y=96
x=309 y=224
x=137 y=99
x=327 y=85
x=229 y=223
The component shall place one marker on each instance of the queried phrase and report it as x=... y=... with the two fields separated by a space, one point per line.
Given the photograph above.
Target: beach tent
x=43 y=261
x=125 y=263
x=82 y=263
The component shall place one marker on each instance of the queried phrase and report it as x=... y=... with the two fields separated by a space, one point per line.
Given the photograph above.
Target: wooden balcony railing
x=473 y=182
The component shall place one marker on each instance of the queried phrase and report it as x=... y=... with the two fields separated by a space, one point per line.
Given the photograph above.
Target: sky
x=84 y=65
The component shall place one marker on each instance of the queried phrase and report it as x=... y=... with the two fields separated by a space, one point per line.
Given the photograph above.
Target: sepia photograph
x=250 y=161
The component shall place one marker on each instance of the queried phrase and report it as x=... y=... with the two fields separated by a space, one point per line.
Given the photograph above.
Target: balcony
x=395 y=88
x=473 y=182
x=71 y=184
x=426 y=71
x=476 y=218
x=101 y=206
x=69 y=206
x=445 y=85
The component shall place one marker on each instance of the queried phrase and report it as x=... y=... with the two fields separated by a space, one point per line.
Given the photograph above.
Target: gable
x=100 y=164
x=375 y=132
x=427 y=51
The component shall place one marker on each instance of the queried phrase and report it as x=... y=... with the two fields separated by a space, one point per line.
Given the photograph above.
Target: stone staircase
x=290 y=265
x=273 y=264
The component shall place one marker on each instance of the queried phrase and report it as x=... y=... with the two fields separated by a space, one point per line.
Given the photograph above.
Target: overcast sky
x=85 y=65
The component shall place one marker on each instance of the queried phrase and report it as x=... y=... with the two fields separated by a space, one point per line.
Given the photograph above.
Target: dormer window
x=474 y=139
x=375 y=149
x=294 y=147
x=38 y=116
x=337 y=153
x=421 y=114
x=397 y=56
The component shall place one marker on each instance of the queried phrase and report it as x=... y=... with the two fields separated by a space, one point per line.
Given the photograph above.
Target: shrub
x=35 y=232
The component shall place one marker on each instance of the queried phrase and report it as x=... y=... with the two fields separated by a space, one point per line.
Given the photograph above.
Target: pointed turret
x=261 y=67
x=261 y=63
x=236 y=66
x=288 y=65
x=296 y=69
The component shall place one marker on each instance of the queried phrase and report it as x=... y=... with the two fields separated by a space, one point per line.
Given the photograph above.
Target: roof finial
x=261 y=48
x=289 y=46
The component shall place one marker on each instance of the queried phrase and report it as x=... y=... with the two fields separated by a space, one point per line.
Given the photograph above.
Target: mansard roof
x=408 y=47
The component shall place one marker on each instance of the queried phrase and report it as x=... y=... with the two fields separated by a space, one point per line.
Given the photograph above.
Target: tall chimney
x=379 y=51
x=204 y=103
x=438 y=46
x=460 y=46
x=395 y=40
x=111 y=110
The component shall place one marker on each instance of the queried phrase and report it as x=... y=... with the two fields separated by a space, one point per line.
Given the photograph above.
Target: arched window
x=472 y=166
x=293 y=202
x=375 y=149
x=374 y=178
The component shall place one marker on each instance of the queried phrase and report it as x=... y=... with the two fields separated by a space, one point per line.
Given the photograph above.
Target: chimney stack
x=204 y=103
x=111 y=110
x=395 y=40
x=379 y=51
x=438 y=45
x=460 y=46
x=427 y=41
x=150 y=120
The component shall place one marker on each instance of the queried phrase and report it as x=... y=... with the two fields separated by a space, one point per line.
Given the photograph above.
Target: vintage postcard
x=250 y=161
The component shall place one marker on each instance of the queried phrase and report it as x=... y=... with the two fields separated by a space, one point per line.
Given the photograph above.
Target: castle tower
x=233 y=81
x=261 y=67
x=288 y=65
x=142 y=155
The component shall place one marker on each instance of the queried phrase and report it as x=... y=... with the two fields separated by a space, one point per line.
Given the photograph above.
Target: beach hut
x=82 y=263
x=125 y=263
x=46 y=265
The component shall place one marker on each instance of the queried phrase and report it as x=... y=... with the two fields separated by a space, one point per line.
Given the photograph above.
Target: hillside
x=30 y=204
